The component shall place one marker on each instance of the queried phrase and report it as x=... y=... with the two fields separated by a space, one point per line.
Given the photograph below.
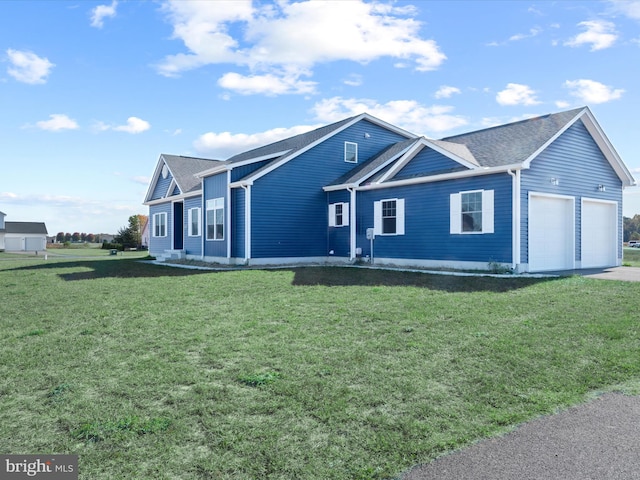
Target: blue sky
x=92 y=92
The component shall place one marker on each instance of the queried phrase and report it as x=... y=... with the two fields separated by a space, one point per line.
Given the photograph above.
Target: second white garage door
x=599 y=234
x=551 y=233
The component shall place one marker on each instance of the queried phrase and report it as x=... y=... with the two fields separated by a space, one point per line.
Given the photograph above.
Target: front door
x=178 y=226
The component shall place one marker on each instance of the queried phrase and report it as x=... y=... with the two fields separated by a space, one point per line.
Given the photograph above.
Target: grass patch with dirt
x=153 y=372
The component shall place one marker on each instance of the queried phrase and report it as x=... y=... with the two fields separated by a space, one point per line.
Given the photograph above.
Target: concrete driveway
x=627 y=274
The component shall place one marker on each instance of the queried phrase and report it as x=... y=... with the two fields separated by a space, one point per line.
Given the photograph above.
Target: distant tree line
x=76 y=237
x=631 y=228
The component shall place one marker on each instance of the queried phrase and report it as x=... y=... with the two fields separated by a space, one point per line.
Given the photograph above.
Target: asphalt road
x=599 y=440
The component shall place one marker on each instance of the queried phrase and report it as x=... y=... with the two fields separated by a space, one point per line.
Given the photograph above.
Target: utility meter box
x=370 y=234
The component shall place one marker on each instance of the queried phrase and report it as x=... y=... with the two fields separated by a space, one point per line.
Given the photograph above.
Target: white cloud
x=446 y=91
x=268 y=84
x=134 y=125
x=28 y=67
x=57 y=122
x=600 y=34
x=629 y=8
x=517 y=94
x=142 y=180
x=99 y=13
x=285 y=40
x=407 y=114
x=353 y=80
x=591 y=92
x=533 y=32
x=225 y=144
x=562 y=104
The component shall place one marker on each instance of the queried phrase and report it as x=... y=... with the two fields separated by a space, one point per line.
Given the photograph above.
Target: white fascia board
x=405 y=157
x=231 y=166
x=183 y=196
x=443 y=177
x=607 y=149
x=362 y=116
x=172 y=185
x=527 y=162
x=154 y=178
x=451 y=155
x=333 y=188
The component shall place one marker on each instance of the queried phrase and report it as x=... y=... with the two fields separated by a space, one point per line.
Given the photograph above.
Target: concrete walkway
x=599 y=440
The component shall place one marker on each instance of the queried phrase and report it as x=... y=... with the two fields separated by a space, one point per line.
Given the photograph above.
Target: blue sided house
x=537 y=195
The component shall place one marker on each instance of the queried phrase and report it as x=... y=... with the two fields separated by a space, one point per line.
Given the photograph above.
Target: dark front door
x=178 y=226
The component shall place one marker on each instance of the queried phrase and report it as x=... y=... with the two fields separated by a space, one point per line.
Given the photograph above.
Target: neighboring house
x=22 y=236
x=144 y=237
x=536 y=195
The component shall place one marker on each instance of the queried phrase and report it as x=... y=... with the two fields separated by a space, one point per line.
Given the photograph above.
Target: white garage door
x=35 y=243
x=551 y=233
x=599 y=234
x=13 y=244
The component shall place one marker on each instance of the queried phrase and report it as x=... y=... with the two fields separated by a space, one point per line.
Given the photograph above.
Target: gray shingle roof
x=184 y=170
x=290 y=144
x=514 y=142
x=26 y=227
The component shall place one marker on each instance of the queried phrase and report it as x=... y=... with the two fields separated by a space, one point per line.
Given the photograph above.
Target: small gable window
x=160 y=224
x=388 y=217
x=471 y=212
x=215 y=219
x=194 y=222
x=339 y=214
x=350 y=152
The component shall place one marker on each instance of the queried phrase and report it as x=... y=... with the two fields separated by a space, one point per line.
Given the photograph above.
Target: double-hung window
x=215 y=219
x=160 y=224
x=339 y=214
x=389 y=217
x=471 y=212
x=194 y=222
x=350 y=152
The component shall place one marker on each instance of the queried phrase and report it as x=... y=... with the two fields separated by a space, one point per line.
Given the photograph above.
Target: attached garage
x=599 y=245
x=551 y=232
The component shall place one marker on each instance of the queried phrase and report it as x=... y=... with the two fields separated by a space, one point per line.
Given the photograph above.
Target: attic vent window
x=350 y=152
x=165 y=171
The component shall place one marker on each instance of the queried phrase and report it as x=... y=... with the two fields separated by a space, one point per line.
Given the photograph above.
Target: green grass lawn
x=631 y=257
x=150 y=372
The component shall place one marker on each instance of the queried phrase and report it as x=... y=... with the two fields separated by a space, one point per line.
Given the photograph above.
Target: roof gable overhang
x=293 y=154
x=174 y=198
x=436 y=178
x=401 y=160
x=601 y=140
x=230 y=166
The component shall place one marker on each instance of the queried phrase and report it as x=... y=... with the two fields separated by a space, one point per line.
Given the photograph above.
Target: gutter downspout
x=247 y=223
x=515 y=221
x=352 y=224
x=228 y=215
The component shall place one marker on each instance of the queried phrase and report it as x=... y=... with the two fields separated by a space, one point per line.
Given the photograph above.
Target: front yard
x=150 y=372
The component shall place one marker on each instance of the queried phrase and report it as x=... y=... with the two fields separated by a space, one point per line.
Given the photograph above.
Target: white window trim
x=157 y=216
x=455 y=213
x=377 y=217
x=345 y=214
x=215 y=204
x=345 y=152
x=194 y=212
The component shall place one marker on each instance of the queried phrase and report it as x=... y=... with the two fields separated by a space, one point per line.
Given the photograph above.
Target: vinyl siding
x=426 y=162
x=238 y=206
x=158 y=245
x=193 y=245
x=215 y=187
x=427 y=222
x=240 y=172
x=162 y=185
x=579 y=165
x=339 y=236
x=289 y=208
